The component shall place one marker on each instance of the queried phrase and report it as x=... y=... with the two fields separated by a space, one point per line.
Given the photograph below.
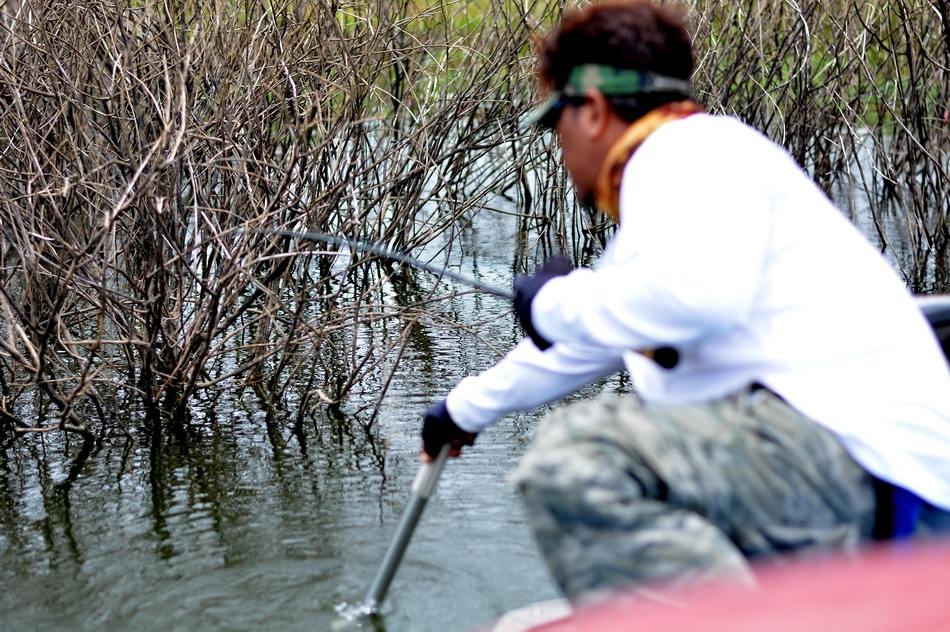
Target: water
x=232 y=533
x=226 y=525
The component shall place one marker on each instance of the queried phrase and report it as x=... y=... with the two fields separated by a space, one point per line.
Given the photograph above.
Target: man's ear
x=597 y=114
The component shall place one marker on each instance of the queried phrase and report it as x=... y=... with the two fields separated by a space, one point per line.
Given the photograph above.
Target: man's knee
x=580 y=468
x=586 y=482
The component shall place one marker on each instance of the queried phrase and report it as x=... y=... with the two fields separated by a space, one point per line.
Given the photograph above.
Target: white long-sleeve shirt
x=728 y=252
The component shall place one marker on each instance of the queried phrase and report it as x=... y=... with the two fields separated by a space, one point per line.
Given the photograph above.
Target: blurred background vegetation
x=145 y=147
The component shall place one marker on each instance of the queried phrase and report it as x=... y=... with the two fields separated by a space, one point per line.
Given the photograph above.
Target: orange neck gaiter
x=607 y=190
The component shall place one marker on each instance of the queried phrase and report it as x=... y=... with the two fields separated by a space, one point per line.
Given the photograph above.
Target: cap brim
x=539 y=112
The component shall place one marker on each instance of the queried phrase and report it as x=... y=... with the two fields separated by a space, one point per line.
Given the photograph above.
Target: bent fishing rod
x=382 y=251
x=665 y=357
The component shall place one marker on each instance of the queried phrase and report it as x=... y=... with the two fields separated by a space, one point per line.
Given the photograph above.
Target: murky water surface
x=228 y=526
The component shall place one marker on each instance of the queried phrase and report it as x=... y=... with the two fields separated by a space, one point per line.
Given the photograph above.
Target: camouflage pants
x=622 y=495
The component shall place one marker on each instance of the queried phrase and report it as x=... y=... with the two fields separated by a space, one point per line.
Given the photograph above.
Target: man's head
x=604 y=67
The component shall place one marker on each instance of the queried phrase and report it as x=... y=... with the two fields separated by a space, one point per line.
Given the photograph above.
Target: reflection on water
x=225 y=521
x=217 y=526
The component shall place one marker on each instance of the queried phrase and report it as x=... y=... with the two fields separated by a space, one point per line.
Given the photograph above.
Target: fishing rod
x=665 y=357
x=382 y=251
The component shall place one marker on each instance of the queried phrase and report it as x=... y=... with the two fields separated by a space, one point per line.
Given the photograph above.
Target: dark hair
x=637 y=34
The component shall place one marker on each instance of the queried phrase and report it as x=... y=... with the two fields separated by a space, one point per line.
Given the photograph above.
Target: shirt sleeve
x=526 y=378
x=688 y=259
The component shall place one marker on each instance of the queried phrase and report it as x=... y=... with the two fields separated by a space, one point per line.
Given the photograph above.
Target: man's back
x=756 y=277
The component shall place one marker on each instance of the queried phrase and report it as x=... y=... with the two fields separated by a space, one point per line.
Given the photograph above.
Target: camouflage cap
x=609 y=81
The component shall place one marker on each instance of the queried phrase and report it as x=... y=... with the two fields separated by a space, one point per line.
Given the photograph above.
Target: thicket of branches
x=147 y=147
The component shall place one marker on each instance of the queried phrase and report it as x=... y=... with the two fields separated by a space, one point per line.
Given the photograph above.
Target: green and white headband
x=609 y=81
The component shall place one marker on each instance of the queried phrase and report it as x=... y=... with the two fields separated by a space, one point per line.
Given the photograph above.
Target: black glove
x=439 y=429
x=527 y=287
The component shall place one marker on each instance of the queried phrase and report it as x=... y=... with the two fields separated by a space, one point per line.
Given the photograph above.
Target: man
x=806 y=405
